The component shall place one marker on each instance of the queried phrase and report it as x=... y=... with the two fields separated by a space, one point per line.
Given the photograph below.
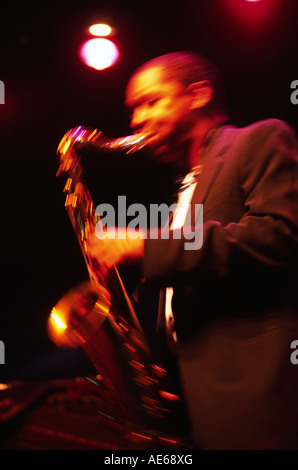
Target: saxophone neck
x=80 y=137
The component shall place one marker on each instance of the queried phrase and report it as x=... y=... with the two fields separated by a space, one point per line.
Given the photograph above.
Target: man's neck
x=198 y=137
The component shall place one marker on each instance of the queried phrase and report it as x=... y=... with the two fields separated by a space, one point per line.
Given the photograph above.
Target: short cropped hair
x=190 y=67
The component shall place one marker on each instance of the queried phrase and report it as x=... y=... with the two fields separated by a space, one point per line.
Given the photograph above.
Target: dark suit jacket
x=235 y=298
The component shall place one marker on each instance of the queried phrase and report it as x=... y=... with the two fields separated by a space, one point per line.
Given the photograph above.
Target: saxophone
x=97 y=315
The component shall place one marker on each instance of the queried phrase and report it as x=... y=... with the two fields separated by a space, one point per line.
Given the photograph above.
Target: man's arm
x=120 y=246
x=265 y=237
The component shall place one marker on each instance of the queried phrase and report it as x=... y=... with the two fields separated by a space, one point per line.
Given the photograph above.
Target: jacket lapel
x=213 y=161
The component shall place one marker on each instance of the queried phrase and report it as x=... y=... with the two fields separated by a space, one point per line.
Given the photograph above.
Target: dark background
x=48 y=91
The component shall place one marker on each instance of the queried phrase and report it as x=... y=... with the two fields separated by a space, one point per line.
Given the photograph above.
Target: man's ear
x=201 y=93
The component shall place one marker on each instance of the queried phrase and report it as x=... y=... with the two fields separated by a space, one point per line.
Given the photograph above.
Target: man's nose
x=139 y=117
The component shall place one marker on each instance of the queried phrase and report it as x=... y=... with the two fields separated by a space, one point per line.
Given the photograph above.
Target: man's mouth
x=151 y=137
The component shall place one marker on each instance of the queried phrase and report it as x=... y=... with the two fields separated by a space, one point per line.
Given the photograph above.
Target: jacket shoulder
x=267 y=126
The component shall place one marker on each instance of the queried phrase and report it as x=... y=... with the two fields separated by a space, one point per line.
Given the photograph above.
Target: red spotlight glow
x=253 y=14
x=99 y=53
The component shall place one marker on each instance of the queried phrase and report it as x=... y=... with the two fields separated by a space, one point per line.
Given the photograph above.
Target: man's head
x=169 y=95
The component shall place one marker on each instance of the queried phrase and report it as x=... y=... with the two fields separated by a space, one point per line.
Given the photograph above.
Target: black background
x=48 y=91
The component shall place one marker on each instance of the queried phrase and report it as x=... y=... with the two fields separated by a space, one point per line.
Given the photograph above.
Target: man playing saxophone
x=232 y=313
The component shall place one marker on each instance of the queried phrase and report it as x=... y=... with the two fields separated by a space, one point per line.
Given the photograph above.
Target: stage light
x=100 y=29
x=99 y=53
x=255 y=15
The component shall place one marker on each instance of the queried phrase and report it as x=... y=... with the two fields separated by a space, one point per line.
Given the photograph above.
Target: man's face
x=160 y=108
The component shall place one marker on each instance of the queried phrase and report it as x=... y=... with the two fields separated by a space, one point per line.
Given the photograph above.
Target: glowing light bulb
x=99 y=53
x=100 y=29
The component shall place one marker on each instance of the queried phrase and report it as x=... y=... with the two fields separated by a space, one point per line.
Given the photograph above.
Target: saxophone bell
x=97 y=315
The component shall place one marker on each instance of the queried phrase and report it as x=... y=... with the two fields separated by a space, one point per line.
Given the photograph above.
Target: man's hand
x=118 y=246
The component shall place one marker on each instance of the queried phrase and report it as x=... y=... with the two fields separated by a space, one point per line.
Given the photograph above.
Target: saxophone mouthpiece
x=80 y=138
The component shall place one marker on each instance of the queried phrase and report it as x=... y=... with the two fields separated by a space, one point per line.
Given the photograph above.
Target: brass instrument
x=97 y=315
x=119 y=405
